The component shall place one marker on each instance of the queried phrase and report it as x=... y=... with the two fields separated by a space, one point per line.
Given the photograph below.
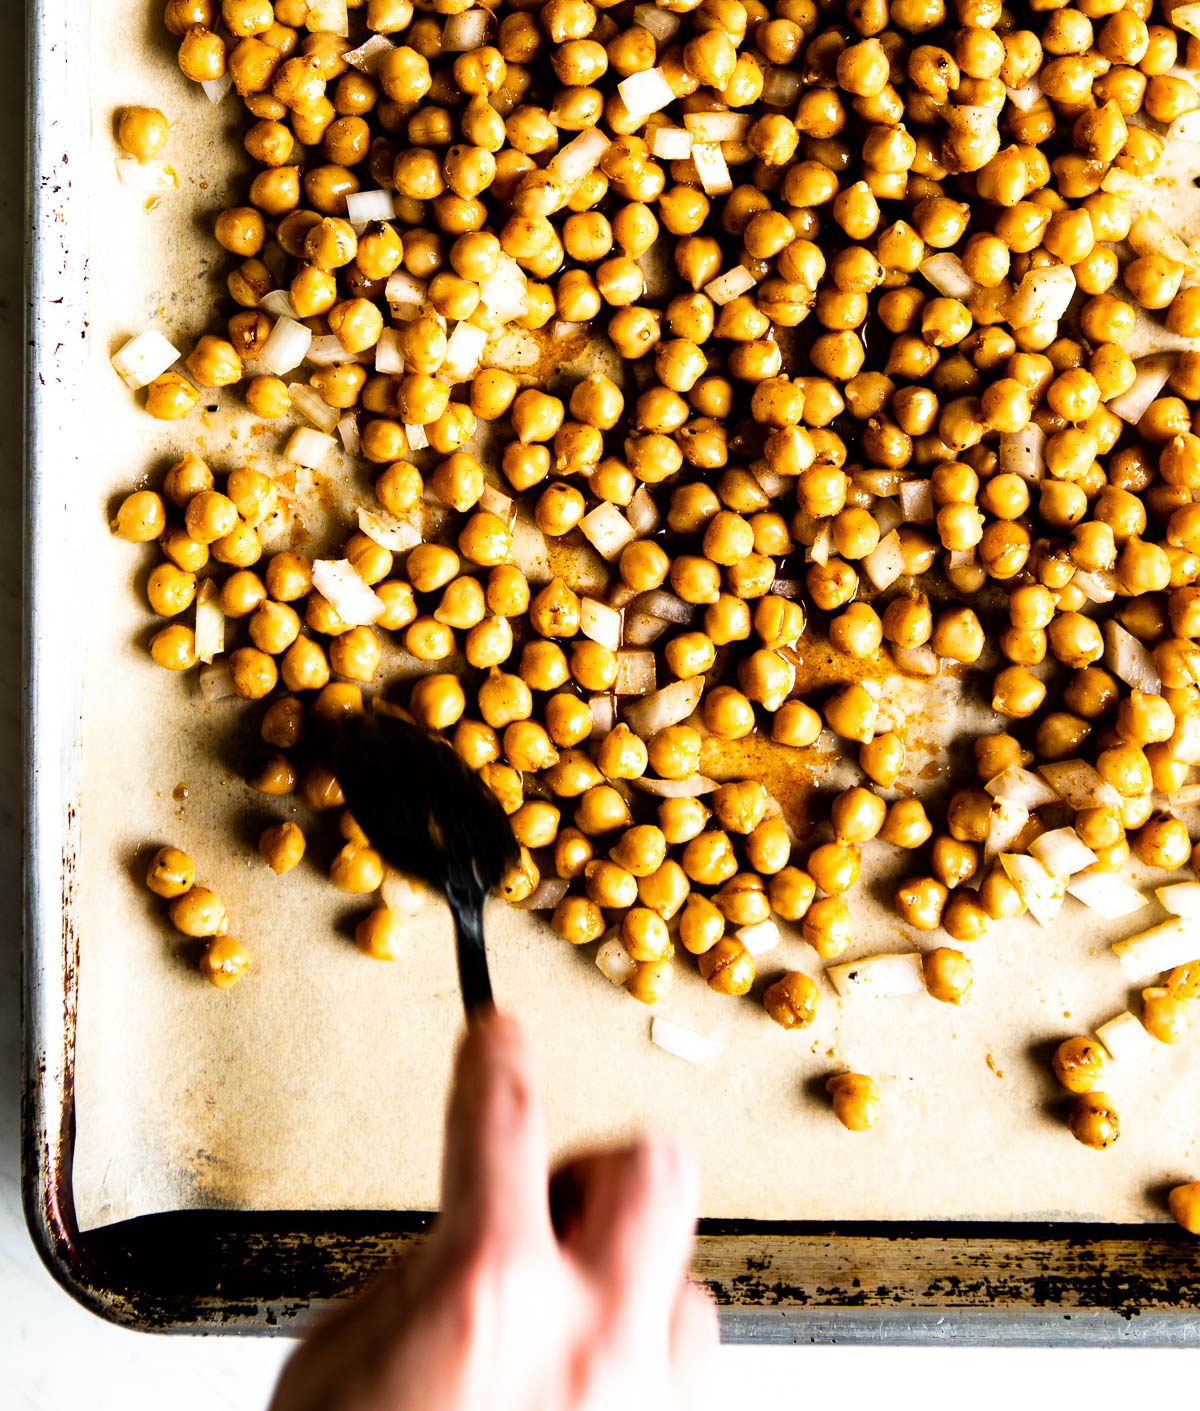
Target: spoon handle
x=474 y=979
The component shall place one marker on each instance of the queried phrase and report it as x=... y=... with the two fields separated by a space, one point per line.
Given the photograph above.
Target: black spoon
x=427 y=814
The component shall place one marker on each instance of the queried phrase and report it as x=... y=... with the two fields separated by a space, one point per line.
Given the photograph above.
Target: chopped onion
x=404 y=294
x=683 y=1043
x=401 y=893
x=1149 y=380
x=659 y=603
x=328 y=17
x=1098 y=585
x=464 y=348
x=730 y=285
x=389 y=356
x=1023 y=453
x=327 y=350
x=417 y=437
x=770 y=482
x=1160 y=948
x=693 y=787
x=466 y=30
x=1129 y=659
x=1106 y=893
x=642 y=630
x=367 y=57
x=607 y=530
x=347 y=429
x=581 y=156
x=210 y=622
x=879 y=976
x=1181 y=899
x=348 y=595
x=286 y=346
x=668 y=706
x=599 y=623
x=1186 y=127
x=711 y=167
x=363 y=207
x=916 y=501
x=144 y=358
x=662 y=24
x=719 y=126
x=1017 y=785
x=1062 y=852
x=216 y=682
x=644 y=93
x=1119 y=183
x=879 y=482
x=505 y=294
x=604 y=715
x=760 y=937
x=1028 y=96
x=309 y=403
x=1187 y=797
x=947 y=275
x=1042 y=296
x=1151 y=235
x=546 y=895
x=915 y=661
x=395 y=535
x=216 y=88
x=781 y=86
x=885 y=563
x=308 y=447
x=277 y=303
x=790 y=588
x=146 y=176
x=1078 y=785
x=612 y=959
x=671 y=144
x=496 y=502
x=636 y=673
x=1126 y=1038
x=643 y=513
x=1042 y=893
x=1006 y=823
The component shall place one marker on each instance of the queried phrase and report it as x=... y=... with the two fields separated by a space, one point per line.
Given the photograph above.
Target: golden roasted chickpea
x=1184 y=1205
x=356 y=869
x=852 y=713
x=792 y=1000
x=947 y=974
x=882 y=759
x=727 y=967
x=1093 y=1120
x=906 y=825
x=920 y=902
x=826 y=926
x=578 y=920
x=171 y=873
x=856 y=1100
x=281 y=846
x=709 y=859
x=174 y=648
x=198 y=912
x=1163 y=842
x=651 y=981
x=224 y=962
x=795 y=724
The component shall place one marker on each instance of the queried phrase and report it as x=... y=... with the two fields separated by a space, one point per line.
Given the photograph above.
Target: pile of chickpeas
x=769 y=431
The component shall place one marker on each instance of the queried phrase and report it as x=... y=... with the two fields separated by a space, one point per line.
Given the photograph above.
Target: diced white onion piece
x=309 y=403
x=1099 y=585
x=885 y=563
x=286 y=346
x=599 y=623
x=1181 y=899
x=770 y=482
x=1119 y=183
x=781 y=86
x=1042 y=296
x=581 y=156
x=496 y=502
x=642 y=512
x=1042 y=893
x=915 y=661
x=693 y=787
x=1023 y=453
x=683 y=1043
x=641 y=629
x=466 y=30
x=404 y=293
x=144 y=358
x=790 y=588
x=349 y=596
x=1027 y=96
x=1107 y=893
x=731 y=284
x=367 y=57
x=668 y=706
x=636 y=673
x=1160 y=948
x=546 y=895
x=1149 y=380
x=880 y=482
x=277 y=303
x=613 y=960
x=216 y=88
x=1184 y=744
x=887 y=516
x=718 y=127
x=146 y=176
x=712 y=168
x=947 y=275
x=326 y=350
x=396 y=535
x=347 y=429
x=645 y=93
x=363 y=207
x=210 y=622
x=1186 y=127
x=604 y=715
x=1129 y=659
x=464 y=348
x=1126 y=1038
x=820 y=548
x=671 y=144
x=1062 y=852
x=916 y=501
x=401 y=893
x=659 y=603
x=879 y=976
x=662 y=24
x=1005 y=824
x=607 y=530
x=328 y=17
x=216 y=682
x=1017 y=785
x=1078 y=784
x=759 y=938
x=418 y=439
x=1151 y=235
x=389 y=356
x=505 y=294
x=309 y=447
x=1187 y=797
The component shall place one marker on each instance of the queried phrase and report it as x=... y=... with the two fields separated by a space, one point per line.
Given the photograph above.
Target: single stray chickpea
x=856 y=1100
x=282 y=846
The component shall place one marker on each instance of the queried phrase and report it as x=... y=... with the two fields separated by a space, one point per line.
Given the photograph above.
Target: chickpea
x=281 y=846
x=906 y=824
x=171 y=873
x=578 y=920
x=1093 y=1120
x=1184 y=1205
x=920 y=902
x=792 y=1000
x=856 y=1100
x=356 y=869
x=224 y=962
x=198 y=912
x=728 y=967
x=947 y=974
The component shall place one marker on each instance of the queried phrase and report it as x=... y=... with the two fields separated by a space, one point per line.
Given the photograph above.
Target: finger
x=695 y=1330
x=496 y=1165
x=637 y=1226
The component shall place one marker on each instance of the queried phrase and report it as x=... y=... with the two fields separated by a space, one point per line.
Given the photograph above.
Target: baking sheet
x=318 y=1082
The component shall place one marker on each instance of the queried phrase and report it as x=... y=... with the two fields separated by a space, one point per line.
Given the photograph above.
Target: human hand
x=501 y=1311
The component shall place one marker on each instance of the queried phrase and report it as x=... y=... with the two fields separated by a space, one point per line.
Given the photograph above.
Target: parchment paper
x=319 y=1081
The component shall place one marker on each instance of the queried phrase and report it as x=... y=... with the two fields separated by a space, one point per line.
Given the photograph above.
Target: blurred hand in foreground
x=505 y=1309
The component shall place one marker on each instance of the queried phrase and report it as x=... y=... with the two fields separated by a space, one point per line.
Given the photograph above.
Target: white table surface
x=54 y=1355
